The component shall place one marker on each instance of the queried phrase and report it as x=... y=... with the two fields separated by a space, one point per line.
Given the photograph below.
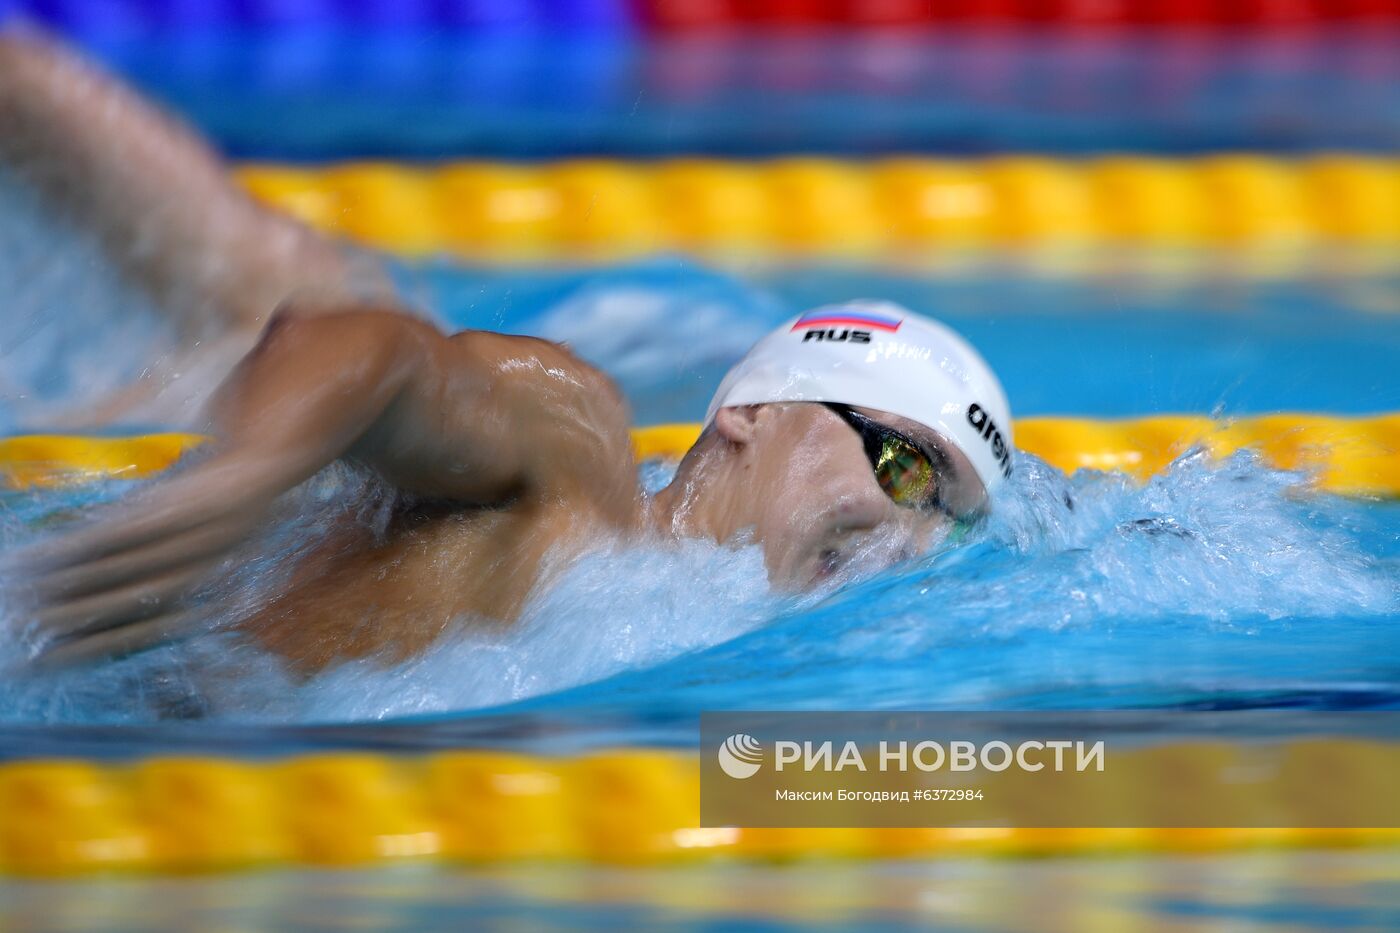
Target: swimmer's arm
x=373 y=386
x=158 y=198
x=476 y=418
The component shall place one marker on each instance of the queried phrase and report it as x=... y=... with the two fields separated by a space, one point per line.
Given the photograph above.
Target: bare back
x=510 y=447
x=443 y=565
x=504 y=451
x=436 y=571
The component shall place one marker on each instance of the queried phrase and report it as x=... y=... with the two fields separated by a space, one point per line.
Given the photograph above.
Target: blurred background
x=1131 y=208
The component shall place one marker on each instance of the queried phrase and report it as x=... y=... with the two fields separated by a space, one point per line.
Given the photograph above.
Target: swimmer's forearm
x=312 y=389
x=476 y=418
x=304 y=397
x=158 y=198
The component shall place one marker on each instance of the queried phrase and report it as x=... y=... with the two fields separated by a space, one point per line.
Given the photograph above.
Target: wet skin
x=516 y=454
x=509 y=454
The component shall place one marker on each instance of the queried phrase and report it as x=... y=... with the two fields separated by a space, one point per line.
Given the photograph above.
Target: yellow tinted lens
x=904 y=473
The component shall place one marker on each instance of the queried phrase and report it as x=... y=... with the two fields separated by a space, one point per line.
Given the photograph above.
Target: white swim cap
x=877 y=354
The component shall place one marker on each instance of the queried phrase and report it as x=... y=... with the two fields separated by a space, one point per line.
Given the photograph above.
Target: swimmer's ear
x=737 y=424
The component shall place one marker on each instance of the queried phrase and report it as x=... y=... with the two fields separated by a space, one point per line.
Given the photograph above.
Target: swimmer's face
x=810 y=494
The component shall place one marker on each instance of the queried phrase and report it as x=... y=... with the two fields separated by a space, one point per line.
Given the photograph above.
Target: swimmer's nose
x=858 y=513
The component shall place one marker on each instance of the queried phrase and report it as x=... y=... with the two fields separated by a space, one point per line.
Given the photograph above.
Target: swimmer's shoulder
x=475 y=418
x=564 y=418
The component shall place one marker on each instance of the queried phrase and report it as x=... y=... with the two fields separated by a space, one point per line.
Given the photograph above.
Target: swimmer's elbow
x=369 y=340
x=329 y=373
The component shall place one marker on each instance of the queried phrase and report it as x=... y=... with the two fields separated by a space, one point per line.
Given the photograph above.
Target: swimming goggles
x=908 y=472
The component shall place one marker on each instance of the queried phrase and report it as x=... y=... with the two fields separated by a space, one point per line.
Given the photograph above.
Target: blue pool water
x=1101 y=346
x=324 y=94
x=1217 y=585
x=1253 y=893
x=1214 y=584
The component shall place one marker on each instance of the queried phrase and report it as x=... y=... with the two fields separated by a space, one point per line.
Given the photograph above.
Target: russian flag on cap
x=839 y=316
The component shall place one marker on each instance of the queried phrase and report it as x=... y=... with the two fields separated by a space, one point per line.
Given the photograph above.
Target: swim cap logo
x=979 y=419
x=841 y=336
x=740 y=756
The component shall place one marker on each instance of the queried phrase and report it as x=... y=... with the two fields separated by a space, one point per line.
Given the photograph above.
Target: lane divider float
x=1351 y=455
x=61 y=817
x=831 y=209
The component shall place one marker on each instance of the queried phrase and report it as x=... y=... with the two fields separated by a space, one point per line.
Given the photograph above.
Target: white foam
x=72 y=329
x=1232 y=546
x=619 y=608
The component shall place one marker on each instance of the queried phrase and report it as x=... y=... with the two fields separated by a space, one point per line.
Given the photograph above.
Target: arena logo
x=977 y=417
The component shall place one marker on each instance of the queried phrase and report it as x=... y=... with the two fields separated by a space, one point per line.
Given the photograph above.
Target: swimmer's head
x=855 y=432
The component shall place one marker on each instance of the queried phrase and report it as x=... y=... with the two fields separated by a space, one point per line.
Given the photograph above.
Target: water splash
x=1217 y=583
x=1074 y=586
x=622 y=608
x=1224 y=581
x=66 y=310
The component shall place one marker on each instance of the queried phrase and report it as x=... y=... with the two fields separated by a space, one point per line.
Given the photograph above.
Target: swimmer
x=851 y=430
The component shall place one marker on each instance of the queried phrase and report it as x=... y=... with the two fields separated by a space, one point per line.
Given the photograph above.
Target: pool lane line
x=63 y=817
x=915 y=211
x=1350 y=455
x=619 y=20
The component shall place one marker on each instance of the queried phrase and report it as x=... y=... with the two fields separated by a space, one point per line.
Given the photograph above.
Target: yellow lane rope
x=65 y=817
x=60 y=817
x=38 y=460
x=828 y=208
x=1349 y=455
